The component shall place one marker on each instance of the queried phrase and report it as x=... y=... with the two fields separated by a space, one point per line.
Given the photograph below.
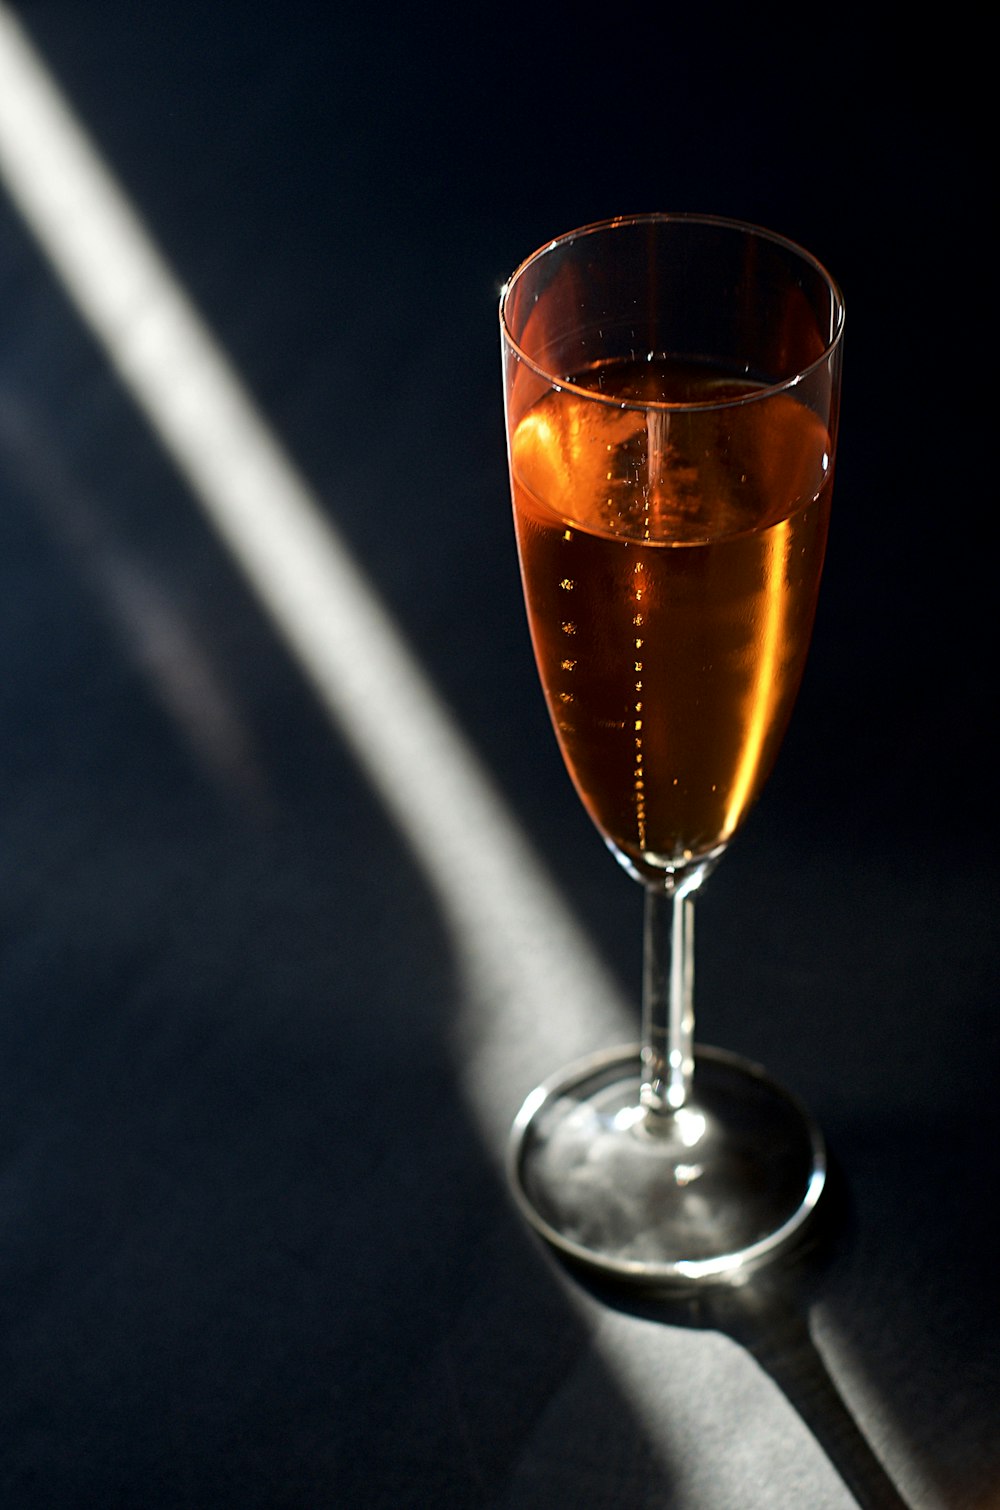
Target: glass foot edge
x=770 y=1209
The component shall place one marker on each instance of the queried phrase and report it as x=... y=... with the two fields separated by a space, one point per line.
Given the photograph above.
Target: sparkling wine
x=671 y=559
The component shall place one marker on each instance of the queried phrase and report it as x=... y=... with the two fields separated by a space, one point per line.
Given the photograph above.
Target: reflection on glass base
x=703 y=1194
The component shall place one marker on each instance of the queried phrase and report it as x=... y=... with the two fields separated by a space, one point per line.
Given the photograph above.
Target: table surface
x=297 y=902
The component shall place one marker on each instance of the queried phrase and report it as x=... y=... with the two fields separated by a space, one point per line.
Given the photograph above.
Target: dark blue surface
x=255 y=1246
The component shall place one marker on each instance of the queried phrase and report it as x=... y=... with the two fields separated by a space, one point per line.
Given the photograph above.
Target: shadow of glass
x=768 y=1314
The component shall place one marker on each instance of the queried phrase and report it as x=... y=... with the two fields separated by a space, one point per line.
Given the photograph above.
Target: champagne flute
x=671 y=391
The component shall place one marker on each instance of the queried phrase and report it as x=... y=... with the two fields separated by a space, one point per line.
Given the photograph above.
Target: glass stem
x=668 y=997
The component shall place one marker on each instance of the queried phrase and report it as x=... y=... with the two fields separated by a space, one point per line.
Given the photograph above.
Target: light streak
x=763 y=694
x=519 y=948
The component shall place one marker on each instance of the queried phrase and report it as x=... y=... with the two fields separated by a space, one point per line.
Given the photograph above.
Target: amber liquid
x=671 y=560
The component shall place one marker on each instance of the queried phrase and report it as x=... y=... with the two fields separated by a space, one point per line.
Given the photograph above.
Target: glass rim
x=722 y=222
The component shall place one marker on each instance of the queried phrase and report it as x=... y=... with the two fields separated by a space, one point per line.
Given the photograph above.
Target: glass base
x=705 y=1193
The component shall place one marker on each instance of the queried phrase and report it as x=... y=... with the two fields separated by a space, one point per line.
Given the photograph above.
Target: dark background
x=254 y=1249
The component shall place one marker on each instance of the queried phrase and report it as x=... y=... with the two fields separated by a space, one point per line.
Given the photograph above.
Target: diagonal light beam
x=520 y=950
